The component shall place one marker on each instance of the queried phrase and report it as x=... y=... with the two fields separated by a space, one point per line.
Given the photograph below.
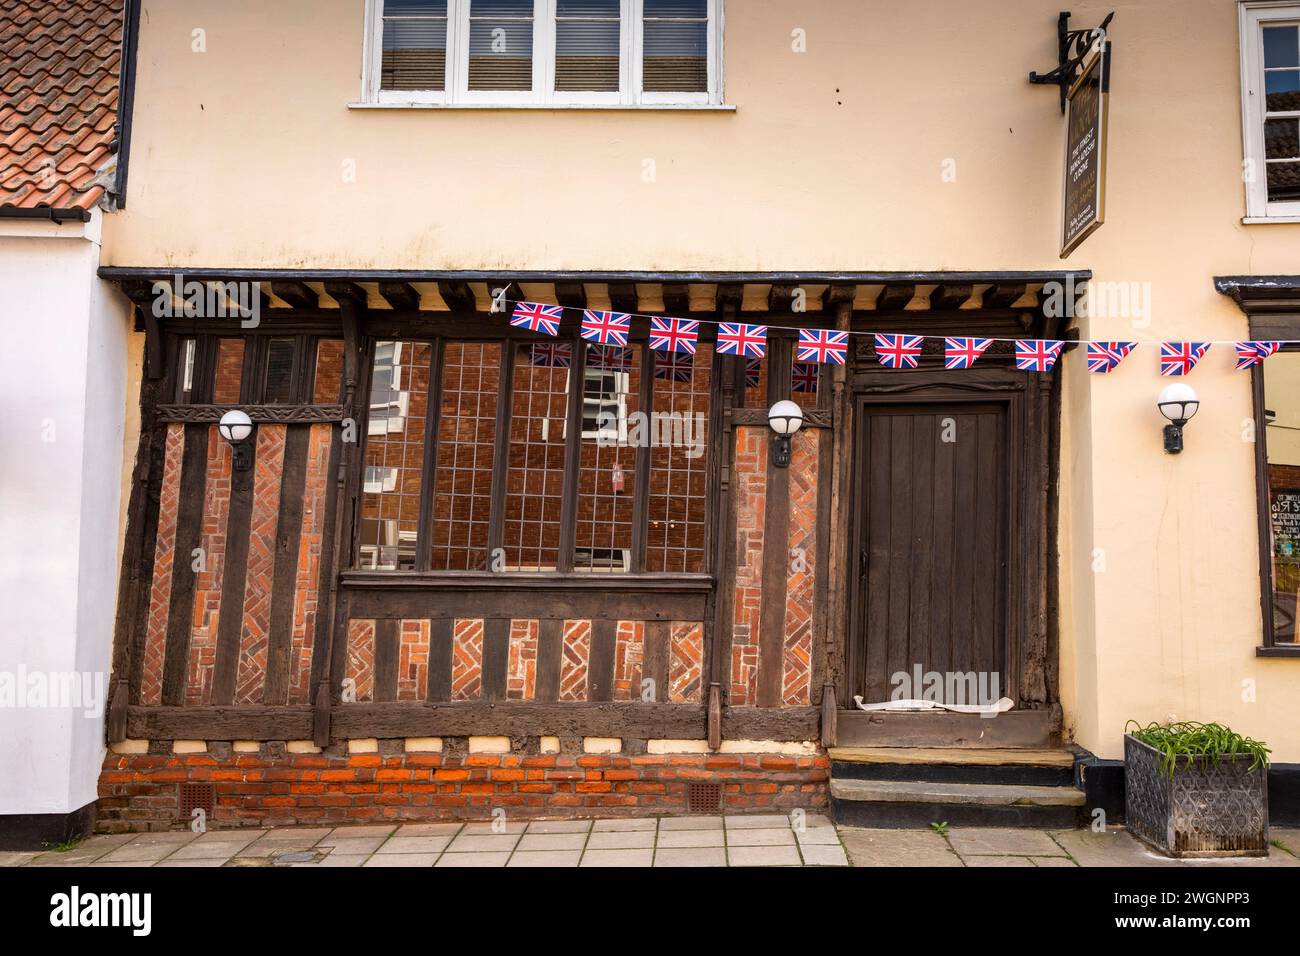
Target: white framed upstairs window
x=543 y=53
x=1270 y=85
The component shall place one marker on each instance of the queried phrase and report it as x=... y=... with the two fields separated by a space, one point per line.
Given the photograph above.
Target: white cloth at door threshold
x=905 y=706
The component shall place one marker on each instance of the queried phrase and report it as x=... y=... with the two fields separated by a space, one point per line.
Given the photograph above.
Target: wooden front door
x=932 y=531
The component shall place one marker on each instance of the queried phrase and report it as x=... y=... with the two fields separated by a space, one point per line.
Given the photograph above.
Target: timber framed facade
x=261 y=614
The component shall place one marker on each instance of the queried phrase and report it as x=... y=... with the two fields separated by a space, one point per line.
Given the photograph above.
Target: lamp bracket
x=1072 y=50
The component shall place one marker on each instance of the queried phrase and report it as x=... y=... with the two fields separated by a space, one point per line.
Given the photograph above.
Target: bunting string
x=892 y=350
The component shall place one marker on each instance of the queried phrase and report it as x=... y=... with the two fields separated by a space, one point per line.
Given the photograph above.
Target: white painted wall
x=62 y=398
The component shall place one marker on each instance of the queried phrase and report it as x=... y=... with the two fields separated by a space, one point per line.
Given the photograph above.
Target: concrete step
x=900 y=804
x=1029 y=766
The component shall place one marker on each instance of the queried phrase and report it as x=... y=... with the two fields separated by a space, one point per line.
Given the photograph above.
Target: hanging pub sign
x=1084 y=194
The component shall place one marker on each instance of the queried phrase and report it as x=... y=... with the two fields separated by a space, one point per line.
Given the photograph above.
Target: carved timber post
x=837 y=627
x=352 y=311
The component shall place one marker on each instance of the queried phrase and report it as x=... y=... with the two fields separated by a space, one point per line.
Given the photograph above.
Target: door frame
x=1032 y=402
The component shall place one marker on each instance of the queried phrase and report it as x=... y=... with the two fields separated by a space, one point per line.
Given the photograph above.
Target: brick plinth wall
x=274 y=787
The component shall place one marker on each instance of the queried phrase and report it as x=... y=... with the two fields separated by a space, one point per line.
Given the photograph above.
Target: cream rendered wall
x=833 y=159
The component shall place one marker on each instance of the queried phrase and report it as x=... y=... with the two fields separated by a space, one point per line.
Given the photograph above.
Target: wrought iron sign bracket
x=1073 y=47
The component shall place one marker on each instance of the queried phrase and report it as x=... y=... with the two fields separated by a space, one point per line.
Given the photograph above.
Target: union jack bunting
x=820 y=345
x=804 y=377
x=1250 y=354
x=612 y=357
x=963 y=352
x=899 y=351
x=675 y=367
x=1037 y=355
x=674 y=335
x=606 y=328
x=753 y=373
x=1104 y=356
x=537 y=318
x=737 y=339
x=559 y=355
x=1179 y=358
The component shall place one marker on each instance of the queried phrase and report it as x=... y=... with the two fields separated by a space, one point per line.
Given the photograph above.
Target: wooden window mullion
x=641 y=481
x=572 y=458
x=429 y=471
x=501 y=451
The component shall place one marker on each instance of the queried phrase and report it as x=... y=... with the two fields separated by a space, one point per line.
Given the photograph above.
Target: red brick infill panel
x=413 y=660
x=306 y=601
x=629 y=649
x=155 y=640
x=267 y=472
x=796 y=671
x=750 y=483
x=521 y=673
x=360 y=669
x=575 y=652
x=467 y=659
x=207 y=591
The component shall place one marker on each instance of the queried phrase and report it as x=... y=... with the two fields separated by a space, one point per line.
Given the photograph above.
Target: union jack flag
x=674 y=335
x=1104 y=356
x=1250 y=354
x=559 y=355
x=753 y=373
x=614 y=358
x=675 y=367
x=537 y=317
x=804 y=377
x=737 y=339
x=1179 y=358
x=606 y=328
x=963 y=352
x=899 y=351
x=820 y=345
x=1037 y=355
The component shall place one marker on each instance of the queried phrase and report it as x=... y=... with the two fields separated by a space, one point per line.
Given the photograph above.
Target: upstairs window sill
x=1279 y=650
x=606 y=107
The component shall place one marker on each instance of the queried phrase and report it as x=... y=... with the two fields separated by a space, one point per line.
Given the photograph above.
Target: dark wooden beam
x=299 y=295
x=346 y=292
x=730 y=295
x=894 y=298
x=780 y=297
x=458 y=296
x=1002 y=294
x=835 y=294
x=951 y=295
x=401 y=296
x=628 y=719
x=571 y=295
x=677 y=298
x=623 y=297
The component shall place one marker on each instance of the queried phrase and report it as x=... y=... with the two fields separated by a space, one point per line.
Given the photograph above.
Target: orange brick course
x=274 y=788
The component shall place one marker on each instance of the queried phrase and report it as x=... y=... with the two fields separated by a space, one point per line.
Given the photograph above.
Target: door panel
x=932 y=498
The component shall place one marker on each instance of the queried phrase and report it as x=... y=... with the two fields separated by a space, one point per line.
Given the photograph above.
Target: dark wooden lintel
x=260 y=414
x=627 y=719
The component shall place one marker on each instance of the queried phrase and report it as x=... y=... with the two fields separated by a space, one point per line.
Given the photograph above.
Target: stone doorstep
x=970 y=794
x=990 y=757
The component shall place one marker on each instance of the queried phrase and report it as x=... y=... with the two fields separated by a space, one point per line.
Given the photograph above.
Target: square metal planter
x=1201 y=811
